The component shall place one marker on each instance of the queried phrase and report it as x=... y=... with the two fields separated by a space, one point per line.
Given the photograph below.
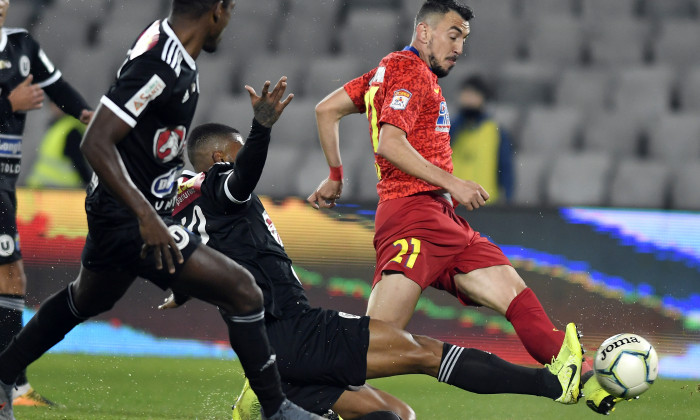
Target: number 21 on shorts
x=413 y=247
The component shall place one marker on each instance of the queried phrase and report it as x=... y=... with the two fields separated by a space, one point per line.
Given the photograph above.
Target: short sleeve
x=142 y=83
x=43 y=71
x=356 y=89
x=404 y=90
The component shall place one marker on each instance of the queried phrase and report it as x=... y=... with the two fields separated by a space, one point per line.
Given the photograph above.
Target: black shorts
x=119 y=249
x=9 y=237
x=320 y=354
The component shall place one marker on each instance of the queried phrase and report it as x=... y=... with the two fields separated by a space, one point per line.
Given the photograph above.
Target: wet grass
x=110 y=388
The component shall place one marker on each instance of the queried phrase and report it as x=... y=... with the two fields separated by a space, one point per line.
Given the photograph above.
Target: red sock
x=537 y=333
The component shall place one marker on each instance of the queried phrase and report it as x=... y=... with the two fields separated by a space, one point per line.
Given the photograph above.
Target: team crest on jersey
x=168 y=143
x=163 y=184
x=443 y=121
x=7 y=245
x=400 y=100
x=150 y=91
x=24 y=66
x=271 y=227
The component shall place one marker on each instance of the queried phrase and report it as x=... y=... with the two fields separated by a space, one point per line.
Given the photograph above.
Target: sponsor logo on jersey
x=163 y=185
x=7 y=245
x=150 y=91
x=401 y=98
x=443 y=121
x=24 y=66
x=47 y=63
x=10 y=147
x=168 y=143
x=188 y=191
x=180 y=235
x=147 y=40
x=4 y=64
x=271 y=227
x=378 y=75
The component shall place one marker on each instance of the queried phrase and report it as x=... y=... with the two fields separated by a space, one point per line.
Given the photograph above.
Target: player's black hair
x=442 y=7
x=202 y=134
x=195 y=8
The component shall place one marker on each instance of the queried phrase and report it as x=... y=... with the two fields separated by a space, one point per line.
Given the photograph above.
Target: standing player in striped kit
x=25 y=74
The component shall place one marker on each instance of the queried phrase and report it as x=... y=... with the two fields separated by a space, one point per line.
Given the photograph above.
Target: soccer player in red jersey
x=419 y=240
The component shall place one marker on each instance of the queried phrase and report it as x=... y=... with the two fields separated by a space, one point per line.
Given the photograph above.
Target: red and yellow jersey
x=403 y=91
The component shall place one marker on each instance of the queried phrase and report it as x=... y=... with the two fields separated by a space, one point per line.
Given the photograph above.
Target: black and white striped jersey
x=155 y=92
x=20 y=56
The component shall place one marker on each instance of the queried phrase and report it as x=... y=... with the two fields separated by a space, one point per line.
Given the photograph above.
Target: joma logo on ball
x=616 y=344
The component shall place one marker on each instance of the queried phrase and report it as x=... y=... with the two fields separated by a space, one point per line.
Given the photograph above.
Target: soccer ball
x=626 y=365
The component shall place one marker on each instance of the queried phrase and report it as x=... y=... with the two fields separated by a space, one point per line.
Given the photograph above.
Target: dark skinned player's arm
x=100 y=149
x=250 y=162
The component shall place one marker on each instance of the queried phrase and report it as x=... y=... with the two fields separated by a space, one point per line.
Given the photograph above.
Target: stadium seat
x=533 y=9
x=311 y=173
x=676 y=43
x=525 y=84
x=617 y=41
x=451 y=84
x=234 y=111
x=305 y=37
x=38 y=122
x=362 y=180
x=550 y=130
x=489 y=9
x=616 y=133
x=584 y=88
x=595 y=10
x=355 y=142
x=270 y=66
x=91 y=71
x=508 y=116
x=579 y=179
x=640 y=183
x=675 y=137
x=662 y=9
x=215 y=79
x=281 y=168
x=491 y=45
x=297 y=125
x=554 y=39
x=261 y=18
x=686 y=184
x=21 y=14
x=327 y=73
x=644 y=91
x=135 y=10
x=689 y=95
x=530 y=170
x=59 y=31
x=371 y=34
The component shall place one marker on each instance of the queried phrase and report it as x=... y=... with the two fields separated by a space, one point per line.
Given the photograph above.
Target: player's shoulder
x=15 y=34
x=158 y=42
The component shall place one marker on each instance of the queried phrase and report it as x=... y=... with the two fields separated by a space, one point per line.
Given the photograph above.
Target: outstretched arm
x=329 y=112
x=394 y=147
x=100 y=149
x=267 y=108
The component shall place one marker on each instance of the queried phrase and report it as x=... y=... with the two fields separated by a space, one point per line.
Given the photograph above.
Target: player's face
x=447 y=42
x=4 y=5
x=212 y=41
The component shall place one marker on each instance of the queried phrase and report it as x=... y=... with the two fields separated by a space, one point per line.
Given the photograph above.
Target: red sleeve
x=357 y=87
x=405 y=88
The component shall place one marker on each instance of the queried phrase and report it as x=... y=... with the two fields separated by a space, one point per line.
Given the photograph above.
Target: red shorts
x=422 y=237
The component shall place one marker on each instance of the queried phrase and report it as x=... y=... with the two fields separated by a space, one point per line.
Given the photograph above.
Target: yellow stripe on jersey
x=371 y=113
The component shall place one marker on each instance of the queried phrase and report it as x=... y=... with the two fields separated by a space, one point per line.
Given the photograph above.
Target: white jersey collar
x=3 y=39
x=188 y=58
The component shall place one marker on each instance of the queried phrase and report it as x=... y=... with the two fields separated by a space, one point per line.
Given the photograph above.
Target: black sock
x=484 y=373
x=380 y=415
x=49 y=325
x=249 y=341
x=11 y=308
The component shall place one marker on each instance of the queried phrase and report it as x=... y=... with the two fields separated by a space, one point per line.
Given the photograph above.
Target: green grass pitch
x=110 y=388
